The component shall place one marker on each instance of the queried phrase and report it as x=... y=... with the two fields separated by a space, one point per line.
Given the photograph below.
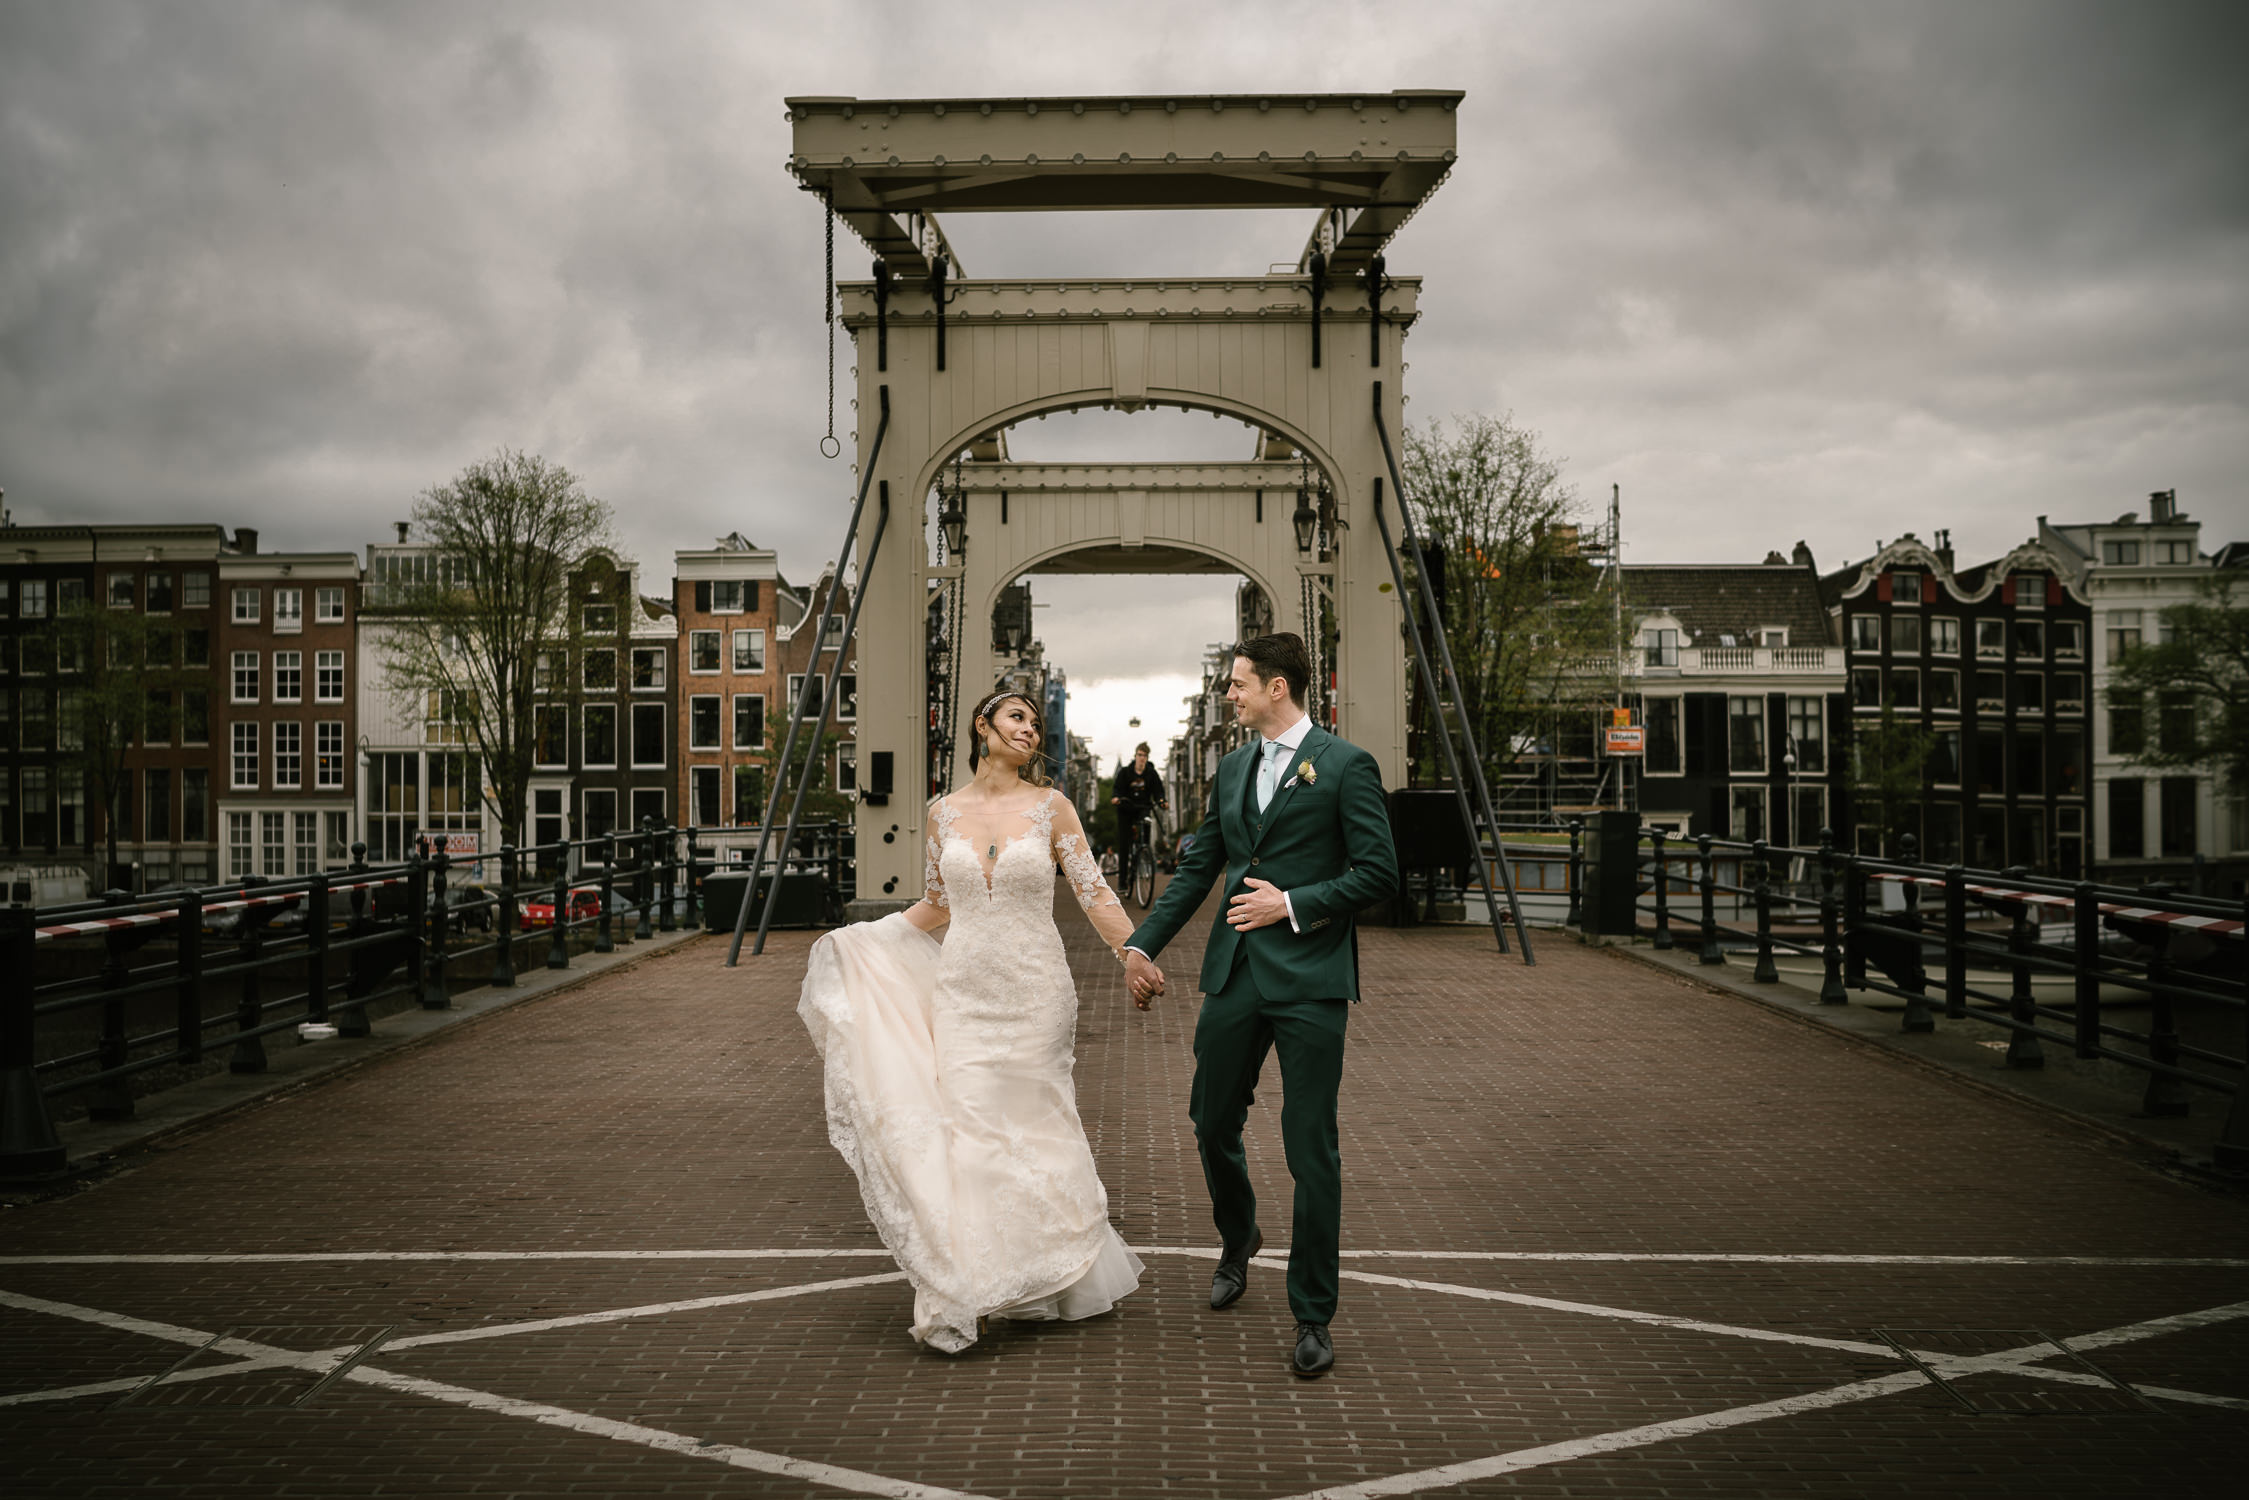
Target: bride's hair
x=1033 y=771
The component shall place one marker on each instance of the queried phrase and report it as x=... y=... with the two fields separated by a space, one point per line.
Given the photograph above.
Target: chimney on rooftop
x=245 y=539
x=401 y=525
x=1801 y=554
x=1943 y=547
x=2162 y=506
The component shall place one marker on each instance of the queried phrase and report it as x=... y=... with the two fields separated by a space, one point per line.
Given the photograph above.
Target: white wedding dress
x=949 y=1088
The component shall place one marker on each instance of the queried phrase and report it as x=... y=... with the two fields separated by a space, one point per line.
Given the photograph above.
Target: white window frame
x=1996 y=628
x=31 y=600
x=247 y=604
x=288 y=755
x=733 y=730
x=246 y=662
x=586 y=672
x=1866 y=632
x=328 y=605
x=328 y=754
x=273 y=844
x=719 y=589
x=288 y=611
x=539 y=738
x=663 y=736
x=323 y=664
x=718 y=655
x=585 y=740
x=125 y=584
x=243 y=762
x=288 y=677
x=658 y=655
x=752 y=640
x=195 y=591
x=1900 y=580
x=717 y=703
x=241 y=848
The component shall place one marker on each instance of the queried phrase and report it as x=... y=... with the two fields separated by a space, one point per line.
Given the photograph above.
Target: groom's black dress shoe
x=1314 y=1356
x=1232 y=1276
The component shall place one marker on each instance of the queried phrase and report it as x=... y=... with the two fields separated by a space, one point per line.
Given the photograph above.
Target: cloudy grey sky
x=1780 y=270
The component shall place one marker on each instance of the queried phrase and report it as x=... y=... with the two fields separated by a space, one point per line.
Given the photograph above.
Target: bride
x=947 y=1066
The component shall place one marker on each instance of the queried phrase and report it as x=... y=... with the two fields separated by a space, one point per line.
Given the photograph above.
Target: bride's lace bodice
x=988 y=876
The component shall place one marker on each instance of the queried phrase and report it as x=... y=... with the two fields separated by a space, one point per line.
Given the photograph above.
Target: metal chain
x=829 y=447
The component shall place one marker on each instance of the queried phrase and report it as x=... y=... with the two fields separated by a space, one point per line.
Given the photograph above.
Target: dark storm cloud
x=1781 y=270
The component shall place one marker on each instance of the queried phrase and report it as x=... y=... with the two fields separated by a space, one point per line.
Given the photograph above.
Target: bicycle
x=1140 y=880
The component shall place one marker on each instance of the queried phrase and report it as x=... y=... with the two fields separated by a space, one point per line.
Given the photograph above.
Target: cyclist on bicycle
x=1138 y=790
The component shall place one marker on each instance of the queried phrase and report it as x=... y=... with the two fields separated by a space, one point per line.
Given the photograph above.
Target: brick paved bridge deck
x=1607 y=1232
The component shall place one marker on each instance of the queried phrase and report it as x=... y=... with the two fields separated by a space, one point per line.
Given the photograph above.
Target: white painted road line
x=1613 y=1442
x=619 y=1314
x=2009 y=1361
x=553 y=1416
x=1625 y=1314
x=1201 y=1252
x=656 y=1438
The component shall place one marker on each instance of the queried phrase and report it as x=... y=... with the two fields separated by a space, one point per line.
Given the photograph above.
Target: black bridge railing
x=105 y=1000
x=1961 y=944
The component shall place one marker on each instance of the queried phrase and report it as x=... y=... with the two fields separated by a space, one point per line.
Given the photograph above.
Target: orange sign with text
x=1627 y=741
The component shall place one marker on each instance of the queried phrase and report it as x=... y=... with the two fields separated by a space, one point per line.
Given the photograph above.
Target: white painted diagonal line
x=1201 y=1252
x=1448 y=1475
x=729 y=1454
x=1613 y=1442
x=309 y=1257
x=650 y=1310
x=1624 y=1314
x=656 y=1438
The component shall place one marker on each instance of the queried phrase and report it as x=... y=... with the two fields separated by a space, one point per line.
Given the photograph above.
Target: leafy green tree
x=1532 y=629
x=472 y=628
x=2198 y=684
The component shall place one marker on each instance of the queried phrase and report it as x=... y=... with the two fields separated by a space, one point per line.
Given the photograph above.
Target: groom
x=1299 y=828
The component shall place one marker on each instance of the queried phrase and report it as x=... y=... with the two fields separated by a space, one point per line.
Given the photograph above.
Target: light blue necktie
x=1267 y=773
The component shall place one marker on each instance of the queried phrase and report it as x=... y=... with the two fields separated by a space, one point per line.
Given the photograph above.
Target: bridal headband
x=984 y=709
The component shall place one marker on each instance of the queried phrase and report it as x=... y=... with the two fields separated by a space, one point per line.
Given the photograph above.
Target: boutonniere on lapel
x=1305 y=774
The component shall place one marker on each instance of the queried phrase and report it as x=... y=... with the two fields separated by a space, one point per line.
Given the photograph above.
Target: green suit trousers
x=1237 y=1028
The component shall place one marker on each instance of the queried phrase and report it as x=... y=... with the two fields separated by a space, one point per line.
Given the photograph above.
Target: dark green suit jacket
x=1324 y=839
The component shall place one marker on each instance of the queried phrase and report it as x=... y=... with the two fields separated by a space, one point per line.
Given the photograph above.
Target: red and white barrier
x=2227 y=927
x=159 y=918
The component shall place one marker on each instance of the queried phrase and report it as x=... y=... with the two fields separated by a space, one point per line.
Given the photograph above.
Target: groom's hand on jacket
x=1260 y=906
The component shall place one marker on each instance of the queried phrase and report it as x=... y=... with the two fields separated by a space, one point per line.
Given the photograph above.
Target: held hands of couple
x=1142 y=978
x=1260 y=906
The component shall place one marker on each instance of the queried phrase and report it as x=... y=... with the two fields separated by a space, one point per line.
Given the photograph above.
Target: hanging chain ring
x=829 y=447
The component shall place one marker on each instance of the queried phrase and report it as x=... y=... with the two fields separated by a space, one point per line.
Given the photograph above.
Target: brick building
x=285 y=722
x=1991 y=661
x=48 y=823
x=731 y=605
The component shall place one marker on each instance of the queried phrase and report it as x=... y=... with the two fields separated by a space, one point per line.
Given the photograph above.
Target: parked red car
x=583 y=904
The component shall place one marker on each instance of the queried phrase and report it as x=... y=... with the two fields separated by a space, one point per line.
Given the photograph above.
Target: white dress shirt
x=1288 y=739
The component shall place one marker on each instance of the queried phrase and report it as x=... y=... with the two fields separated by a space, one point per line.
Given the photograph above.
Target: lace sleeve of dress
x=932 y=873
x=1095 y=898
